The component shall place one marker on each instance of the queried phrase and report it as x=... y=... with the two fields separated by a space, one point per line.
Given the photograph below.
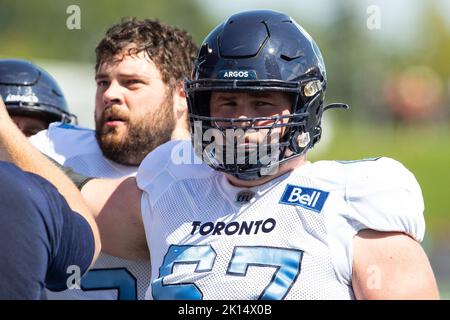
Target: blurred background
x=388 y=59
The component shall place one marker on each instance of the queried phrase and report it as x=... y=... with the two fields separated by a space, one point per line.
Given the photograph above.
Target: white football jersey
x=111 y=277
x=290 y=238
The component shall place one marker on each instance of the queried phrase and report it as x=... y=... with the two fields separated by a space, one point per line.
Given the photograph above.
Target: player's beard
x=142 y=135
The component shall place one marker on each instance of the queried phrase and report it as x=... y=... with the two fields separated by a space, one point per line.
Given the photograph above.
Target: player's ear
x=179 y=99
x=180 y=88
x=182 y=129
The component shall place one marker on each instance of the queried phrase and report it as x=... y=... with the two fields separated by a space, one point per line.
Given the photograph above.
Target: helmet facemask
x=221 y=142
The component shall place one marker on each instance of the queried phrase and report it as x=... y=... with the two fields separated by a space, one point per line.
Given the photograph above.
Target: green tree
x=37 y=29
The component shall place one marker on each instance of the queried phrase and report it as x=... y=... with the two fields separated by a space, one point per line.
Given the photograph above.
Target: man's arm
x=113 y=201
x=391 y=265
x=15 y=148
x=103 y=200
x=117 y=207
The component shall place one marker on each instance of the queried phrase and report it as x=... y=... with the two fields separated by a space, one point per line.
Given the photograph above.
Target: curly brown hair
x=171 y=49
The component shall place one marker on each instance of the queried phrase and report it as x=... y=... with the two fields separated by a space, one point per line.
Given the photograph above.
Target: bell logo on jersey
x=312 y=199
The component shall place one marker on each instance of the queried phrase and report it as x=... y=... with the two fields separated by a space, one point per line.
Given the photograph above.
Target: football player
x=140 y=68
x=32 y=96
x=257 y=220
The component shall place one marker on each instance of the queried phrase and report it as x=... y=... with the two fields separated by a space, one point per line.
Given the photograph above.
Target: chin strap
x=336 y=106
